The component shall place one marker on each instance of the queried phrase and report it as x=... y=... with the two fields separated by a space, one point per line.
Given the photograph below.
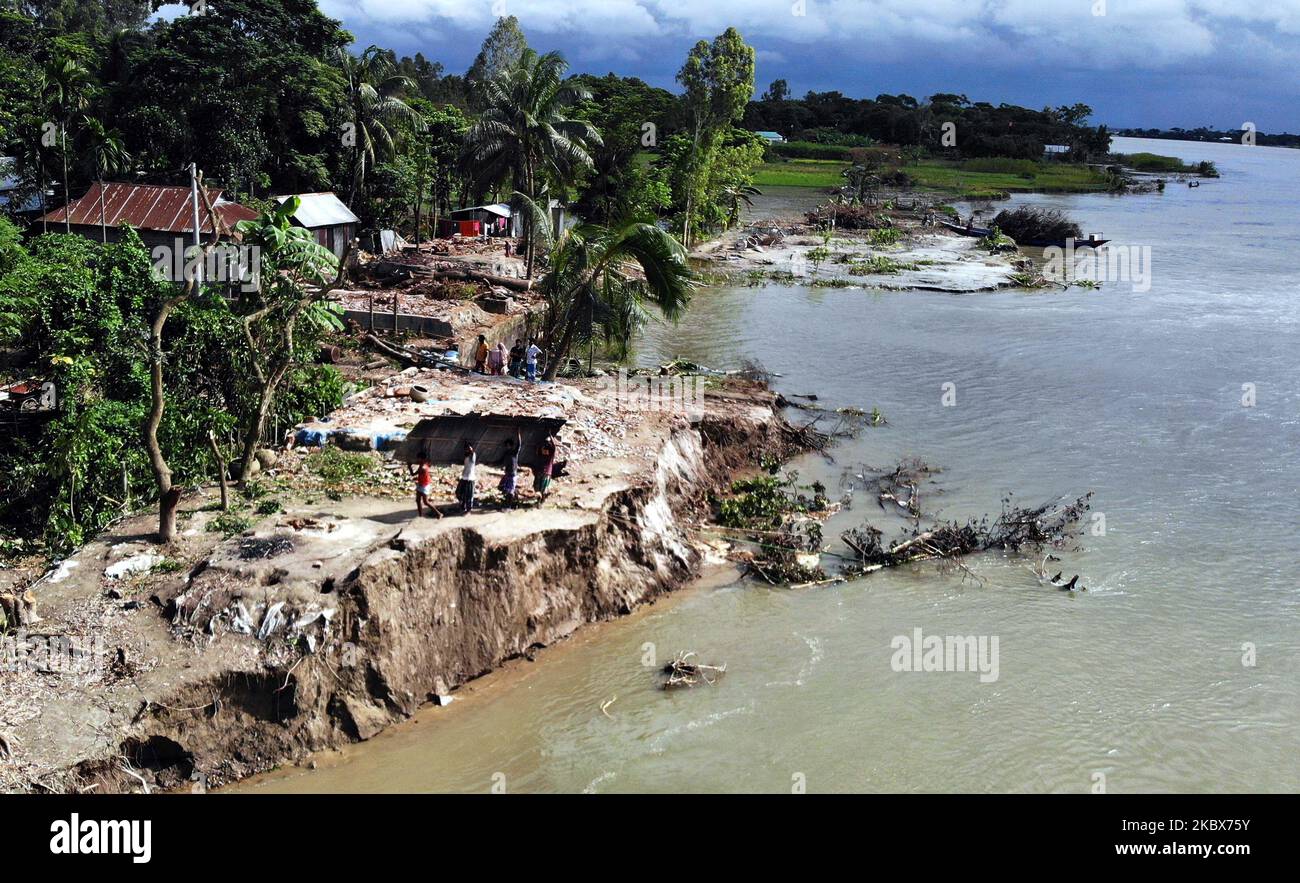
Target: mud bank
x=310 y=631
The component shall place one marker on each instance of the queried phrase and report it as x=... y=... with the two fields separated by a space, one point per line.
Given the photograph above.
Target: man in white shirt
x=530 y=357
x=465 y=487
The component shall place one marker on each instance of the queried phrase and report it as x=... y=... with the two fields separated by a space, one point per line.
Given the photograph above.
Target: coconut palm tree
x=66 y=87
x=108 y=156
x=374 y=104
x=526 y=134
x=602 y=278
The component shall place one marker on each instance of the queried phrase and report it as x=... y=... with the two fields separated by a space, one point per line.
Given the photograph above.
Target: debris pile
x=378 y=418
x=682 y=672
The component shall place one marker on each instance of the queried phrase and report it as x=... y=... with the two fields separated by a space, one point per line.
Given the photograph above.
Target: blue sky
x=1136 y=62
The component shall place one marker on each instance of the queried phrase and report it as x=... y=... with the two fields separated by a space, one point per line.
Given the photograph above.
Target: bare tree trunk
x=67 y=198
x=253 y=432
x=168 y=497
x=561 y=350
x=221 y=471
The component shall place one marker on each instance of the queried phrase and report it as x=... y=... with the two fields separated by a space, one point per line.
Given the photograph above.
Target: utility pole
x=194 y=197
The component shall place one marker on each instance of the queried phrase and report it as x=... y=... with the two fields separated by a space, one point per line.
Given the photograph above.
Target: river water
x=1145 y=682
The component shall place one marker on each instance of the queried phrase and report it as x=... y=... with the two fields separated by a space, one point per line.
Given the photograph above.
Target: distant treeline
x=979 y=128
x=1282 y=139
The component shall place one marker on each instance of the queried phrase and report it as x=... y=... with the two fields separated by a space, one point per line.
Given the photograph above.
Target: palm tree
x=373 y=104
x=602 y=278
x=733 y=196
x=526 y=134
x=108 y=156
x=66 y=86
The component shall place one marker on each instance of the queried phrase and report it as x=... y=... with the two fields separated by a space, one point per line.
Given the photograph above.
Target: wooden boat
x=981 y=232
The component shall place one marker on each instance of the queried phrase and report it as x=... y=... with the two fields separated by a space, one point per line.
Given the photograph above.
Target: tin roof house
x=159 y=214
x=325 y=215
x=476 y=220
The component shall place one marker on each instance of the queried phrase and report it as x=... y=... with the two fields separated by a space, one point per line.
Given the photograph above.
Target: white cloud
x=1145 y=34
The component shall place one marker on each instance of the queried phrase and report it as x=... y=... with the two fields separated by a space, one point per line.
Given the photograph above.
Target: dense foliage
x=77 y=313
x=978 y=128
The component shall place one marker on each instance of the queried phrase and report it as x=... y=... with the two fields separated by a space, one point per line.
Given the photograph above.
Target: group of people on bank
x=520 y=361
x=466 y=487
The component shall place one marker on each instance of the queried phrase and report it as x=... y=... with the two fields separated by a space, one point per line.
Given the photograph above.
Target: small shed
x=495 y=219
x=771 y=137
x=325 y=215
x=443 y=439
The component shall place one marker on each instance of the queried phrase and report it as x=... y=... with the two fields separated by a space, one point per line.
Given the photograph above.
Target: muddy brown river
x=1178 y=669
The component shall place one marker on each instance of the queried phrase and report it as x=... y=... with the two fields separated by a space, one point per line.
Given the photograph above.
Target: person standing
x=502 y=358
x=510 y=480
x=481 y=354
x=423 y=486
x=465 y=487
x=517 y=358
x=545 y=463
x=530 y=358
x=495 y=362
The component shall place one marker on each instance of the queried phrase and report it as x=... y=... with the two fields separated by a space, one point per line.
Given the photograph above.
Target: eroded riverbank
x=326 y=622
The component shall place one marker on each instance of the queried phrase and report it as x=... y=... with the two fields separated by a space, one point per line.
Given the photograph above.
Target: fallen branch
x=684 y=673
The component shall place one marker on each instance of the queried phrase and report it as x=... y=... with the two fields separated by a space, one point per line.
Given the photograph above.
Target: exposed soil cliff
x=310 y=641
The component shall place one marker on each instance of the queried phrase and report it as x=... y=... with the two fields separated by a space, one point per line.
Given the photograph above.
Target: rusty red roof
x=149 y=207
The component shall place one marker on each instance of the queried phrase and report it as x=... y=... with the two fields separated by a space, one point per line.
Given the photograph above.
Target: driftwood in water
x=682 y=672
x=1016 y=529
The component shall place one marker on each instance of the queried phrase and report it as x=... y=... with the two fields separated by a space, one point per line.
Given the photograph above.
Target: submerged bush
x=1034 y=222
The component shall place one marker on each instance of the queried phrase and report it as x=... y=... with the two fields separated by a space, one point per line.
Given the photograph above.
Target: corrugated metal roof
x=496 y=208
x=442 y=439
x=149 y=207
x=321 y=210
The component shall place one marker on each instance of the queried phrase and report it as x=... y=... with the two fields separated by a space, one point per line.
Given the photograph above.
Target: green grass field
x=972 y=179
x=800 y=173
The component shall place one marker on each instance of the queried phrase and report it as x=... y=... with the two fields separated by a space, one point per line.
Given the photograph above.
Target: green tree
x=501 y=50
x=297 y=275
x=527 y=134
x=599 y=275
x=107 y=156
x=779 y=90
x=374 y=108
x=719 y=81
x=67 y=88
x=247 y=90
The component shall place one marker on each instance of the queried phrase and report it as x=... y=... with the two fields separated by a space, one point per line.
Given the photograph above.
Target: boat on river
x=981 y=232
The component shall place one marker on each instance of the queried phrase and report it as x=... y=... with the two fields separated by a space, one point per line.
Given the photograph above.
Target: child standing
x=545 y=463
x=465 y=487
x=423 y=486
x=510 y=480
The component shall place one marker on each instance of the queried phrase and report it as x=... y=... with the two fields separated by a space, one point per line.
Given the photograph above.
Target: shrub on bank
x=1033 y=222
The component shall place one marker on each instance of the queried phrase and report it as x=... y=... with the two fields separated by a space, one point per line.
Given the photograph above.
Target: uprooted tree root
x=782 y=522
x=682 y=672
x=898 y=490
x=1017 y=529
